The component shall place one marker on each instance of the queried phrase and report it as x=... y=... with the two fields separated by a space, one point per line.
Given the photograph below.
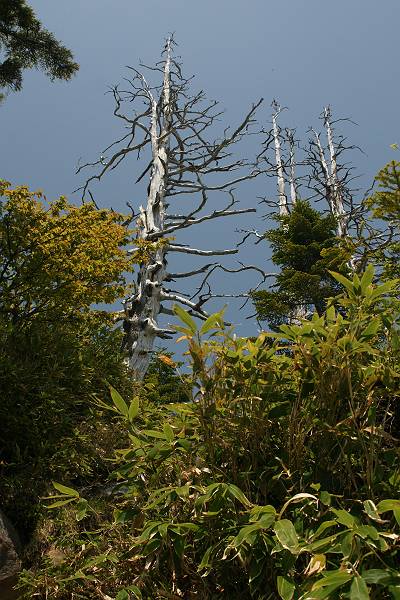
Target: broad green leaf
x=136 y=592
x=212 y=322
x=359 y=589
x=325 y=542
x=259 y=512
x=266 y=520
x=343 y=280
x=333 y=578
x=383 y=289
x=185 y=318
x=119 y=402
x=346 y=544
x=376 y=576
x=122 y=595
x=238 y=494
x=154 y=433
x=286 y=534
x=371 y=330
x=386 y=505
x=367 y=531
x=372 y=511
x=316 y=565
x=247 y=534
x=60 y=503
x=324 y=525
x=65 y=490
x=133 y=408
x=205 y=561
x=367 y=278
x=345 y=518
x=82 y=508
x=396 y=514
x=325 y=498
x=330 y=314
x=395 y=591
x=286 y=588
x=321 y=594
x=168 y=432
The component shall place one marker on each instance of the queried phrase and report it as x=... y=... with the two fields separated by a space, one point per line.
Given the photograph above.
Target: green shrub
x=278 y=479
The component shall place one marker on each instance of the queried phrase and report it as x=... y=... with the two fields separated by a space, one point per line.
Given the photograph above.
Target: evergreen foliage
x=305 y=246
x=26 y=45
x=385 y=205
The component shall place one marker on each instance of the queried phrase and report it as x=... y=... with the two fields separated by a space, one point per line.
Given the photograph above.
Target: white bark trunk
x=292 y=165
x=337 y=205
x=184 y=164
x=143 y=309
x=283 y=203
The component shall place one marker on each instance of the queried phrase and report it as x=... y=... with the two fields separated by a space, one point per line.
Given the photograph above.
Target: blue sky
x=305 y=53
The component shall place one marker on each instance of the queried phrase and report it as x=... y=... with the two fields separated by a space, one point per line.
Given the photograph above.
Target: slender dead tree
x=281 y=144
x=329 y=177
x=184 y=165
x=290 y=137
x=276 y=132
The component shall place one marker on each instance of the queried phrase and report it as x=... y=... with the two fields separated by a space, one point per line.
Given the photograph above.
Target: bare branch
x=187 y=250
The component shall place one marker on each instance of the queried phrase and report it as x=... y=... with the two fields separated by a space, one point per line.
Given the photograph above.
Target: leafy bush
x=279 y=479
x=56 y=260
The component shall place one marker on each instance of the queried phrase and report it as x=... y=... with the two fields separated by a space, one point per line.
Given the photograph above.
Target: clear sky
x=305 y=53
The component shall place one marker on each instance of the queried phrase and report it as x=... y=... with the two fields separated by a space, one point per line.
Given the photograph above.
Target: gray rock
x=10 y=563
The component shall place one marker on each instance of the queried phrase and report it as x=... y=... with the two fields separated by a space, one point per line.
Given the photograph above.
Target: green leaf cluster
x=278 y=478
x=305 y=246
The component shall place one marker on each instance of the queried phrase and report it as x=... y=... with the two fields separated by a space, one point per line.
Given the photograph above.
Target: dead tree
x=329 y=176
x=283 y=164
x=184 y=164
x=283 y=201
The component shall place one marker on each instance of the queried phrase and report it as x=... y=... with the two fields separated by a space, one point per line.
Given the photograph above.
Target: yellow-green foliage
x=386 y=200
x=385 y=205
x=58 y=259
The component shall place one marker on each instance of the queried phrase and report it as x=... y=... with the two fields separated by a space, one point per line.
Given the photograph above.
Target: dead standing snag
x=173 y=126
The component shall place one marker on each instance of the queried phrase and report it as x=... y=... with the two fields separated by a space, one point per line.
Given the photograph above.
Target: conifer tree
x=305 y=246
x=383 y=243
x=26 y=44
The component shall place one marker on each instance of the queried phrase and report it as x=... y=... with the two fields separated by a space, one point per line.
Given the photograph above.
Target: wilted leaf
x=167 y=360
x=316 y=565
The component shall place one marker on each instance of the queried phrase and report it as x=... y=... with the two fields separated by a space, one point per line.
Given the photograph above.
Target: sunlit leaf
x=119 y=402
x=65 y=490
x=286 y=534
x=185 y=318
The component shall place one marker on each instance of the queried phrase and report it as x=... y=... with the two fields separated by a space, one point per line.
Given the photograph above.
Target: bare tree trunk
x=143 y=310
x=292 y=165
x=330 y=178
x=283 y=203
x=336 y=199
x=174 y=126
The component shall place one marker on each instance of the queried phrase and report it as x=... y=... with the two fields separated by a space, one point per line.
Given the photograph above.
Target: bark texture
x=185 y=165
